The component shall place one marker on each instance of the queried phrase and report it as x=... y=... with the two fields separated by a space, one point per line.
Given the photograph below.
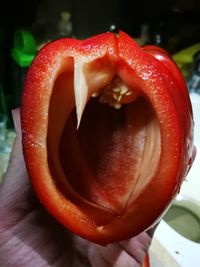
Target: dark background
x=172 y=24
x=93 y=16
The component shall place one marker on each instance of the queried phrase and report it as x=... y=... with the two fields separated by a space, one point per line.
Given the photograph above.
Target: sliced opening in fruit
x=113 y=155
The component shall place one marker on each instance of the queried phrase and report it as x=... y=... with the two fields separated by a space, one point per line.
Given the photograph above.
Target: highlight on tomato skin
x=107 y=135
x=163 y=56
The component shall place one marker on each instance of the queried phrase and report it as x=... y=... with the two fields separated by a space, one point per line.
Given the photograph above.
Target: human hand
x=31 y=237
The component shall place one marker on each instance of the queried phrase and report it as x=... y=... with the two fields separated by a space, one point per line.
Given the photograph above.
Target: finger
x=137 y=246
x=17 y=122
x=111 y=255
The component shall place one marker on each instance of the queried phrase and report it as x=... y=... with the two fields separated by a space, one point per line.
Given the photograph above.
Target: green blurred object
x=24 y=49
x=185 y=58
x=23 y=52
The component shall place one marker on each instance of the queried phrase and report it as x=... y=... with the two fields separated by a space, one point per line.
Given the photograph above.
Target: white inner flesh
x=89 y=77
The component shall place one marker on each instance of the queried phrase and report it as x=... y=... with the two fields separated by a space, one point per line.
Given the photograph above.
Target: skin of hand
x=30 y=236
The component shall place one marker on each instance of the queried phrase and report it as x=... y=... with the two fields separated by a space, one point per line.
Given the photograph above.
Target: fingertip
x=16 y=120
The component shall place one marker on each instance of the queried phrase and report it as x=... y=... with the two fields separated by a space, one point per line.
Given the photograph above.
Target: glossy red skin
x=162 y=55
x=170 y=101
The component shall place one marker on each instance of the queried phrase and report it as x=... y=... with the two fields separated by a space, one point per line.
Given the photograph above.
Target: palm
x=30 y=237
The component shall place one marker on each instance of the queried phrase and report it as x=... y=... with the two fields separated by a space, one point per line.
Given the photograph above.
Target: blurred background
x=26 y=25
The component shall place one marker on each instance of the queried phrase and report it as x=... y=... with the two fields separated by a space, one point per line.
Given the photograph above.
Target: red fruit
x=105 y=167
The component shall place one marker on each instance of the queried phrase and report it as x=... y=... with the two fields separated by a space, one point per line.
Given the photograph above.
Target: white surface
x=181 y=250
x=191 y=186
x=174 y=249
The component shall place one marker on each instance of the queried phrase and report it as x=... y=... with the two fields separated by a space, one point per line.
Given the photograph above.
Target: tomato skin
x=159 y=80
x=163 y=56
